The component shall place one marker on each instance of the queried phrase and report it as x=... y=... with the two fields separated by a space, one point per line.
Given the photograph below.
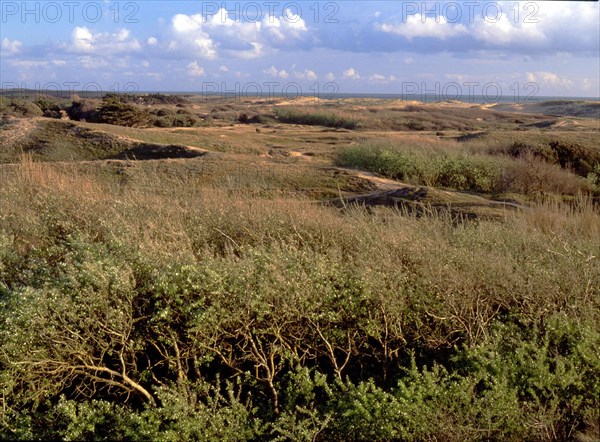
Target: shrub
x=114 y=111
x=482 y=173
x=84 y=110
x=23 y=108
x=315 y=119
x=579 y=159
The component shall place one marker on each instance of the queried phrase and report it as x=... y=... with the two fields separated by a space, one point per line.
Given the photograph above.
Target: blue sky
x=516 y=49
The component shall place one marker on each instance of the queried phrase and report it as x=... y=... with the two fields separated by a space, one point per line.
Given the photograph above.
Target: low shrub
x=315 y=119
x=475 y=172
x=22 y=108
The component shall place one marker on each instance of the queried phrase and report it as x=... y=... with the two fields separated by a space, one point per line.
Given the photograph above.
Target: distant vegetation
x=315 y=119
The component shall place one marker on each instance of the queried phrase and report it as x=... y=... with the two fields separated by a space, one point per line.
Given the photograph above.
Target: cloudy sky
x=507 y=48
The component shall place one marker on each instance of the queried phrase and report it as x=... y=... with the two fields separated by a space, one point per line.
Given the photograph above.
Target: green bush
x=114 y=111
x=83 y=110
x=455 y=171
x=315 y=119
x=461 y=171
x=22 y=108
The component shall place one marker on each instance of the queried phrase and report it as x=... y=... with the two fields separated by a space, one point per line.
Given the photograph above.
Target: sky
x=508 y=49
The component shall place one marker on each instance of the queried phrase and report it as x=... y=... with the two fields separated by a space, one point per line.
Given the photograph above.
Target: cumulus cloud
x=83 y=40
x=288 y=26
x=274 y=72
x=10 y=47
x=506 y=30
x=544 y=78
x=378 y=78
x=194 y=70
x=351 y=73
x=330 y=76
x=522 y=26
x=218 y=34
x=307 y=74
x=152 y=41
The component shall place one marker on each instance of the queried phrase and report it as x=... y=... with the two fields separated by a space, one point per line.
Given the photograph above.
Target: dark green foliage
x=153 y=99
x=244 y=118
x=176 y=120
x=580 y=159
x=83 y=110
x=50 y=107
x=115 y=111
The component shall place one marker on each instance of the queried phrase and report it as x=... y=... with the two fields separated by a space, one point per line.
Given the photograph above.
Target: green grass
x=456 y=169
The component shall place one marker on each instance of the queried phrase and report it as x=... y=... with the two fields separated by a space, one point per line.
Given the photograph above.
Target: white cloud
x=543 y=25
x=506 y=31
x=223 y=68
x=307 y=74
x=152 y=41
x=194 y=70
x=288 y=26
x=378 y=78
x=206 y=46
x=351 y=73
x=330 y=76
x=543 y=78
x=274 y=72
x=553 y=26
x=408 y=60
x=420 y=26
x=83 y=40
x=10 y=47
x=219 y=34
